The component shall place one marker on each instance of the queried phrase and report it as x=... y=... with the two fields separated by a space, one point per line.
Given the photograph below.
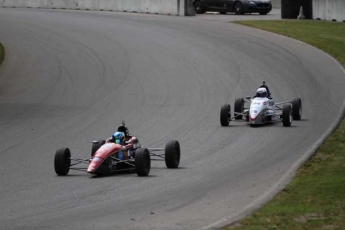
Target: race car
x=262 y=110
x=108 y=157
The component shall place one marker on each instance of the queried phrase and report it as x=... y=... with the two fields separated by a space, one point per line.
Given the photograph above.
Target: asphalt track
x=71 y=77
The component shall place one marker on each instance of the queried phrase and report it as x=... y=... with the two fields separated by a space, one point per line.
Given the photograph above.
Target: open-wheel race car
x=262 y=110
x=116 y=155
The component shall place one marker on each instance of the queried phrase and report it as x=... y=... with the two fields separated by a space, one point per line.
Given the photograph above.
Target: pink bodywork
x=105 y=151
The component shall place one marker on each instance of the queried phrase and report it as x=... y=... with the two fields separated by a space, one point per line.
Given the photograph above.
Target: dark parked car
x=238 y=6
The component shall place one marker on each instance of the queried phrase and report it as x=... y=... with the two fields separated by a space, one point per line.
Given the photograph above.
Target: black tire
x=287 y=115
x=172 y=154
x=142 y=162
x=199 y=9
x=263 y=13
x=62 y=161
x=96 y=146
x=238 y=8
x=239 y=107
x=221 y=12
x=297 y=109
x=225 y=112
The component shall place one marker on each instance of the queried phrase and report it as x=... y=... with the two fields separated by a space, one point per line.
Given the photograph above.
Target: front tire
x=297 y=109
x=142 y=162
x=238 y=8
x=287 y=115
x=172 y=154
x=62 y=161
x=239 y=107
x=225 y=112
x=96 y=146
x=199 y=9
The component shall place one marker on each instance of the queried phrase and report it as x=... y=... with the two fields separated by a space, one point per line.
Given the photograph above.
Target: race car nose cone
x=94 y=164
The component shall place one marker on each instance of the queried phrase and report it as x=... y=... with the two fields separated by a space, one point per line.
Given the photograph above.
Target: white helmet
x=261 y=92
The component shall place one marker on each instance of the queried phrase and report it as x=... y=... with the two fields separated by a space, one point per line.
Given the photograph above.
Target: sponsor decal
x=112 y=165
x=96 y=159
x=108 y=146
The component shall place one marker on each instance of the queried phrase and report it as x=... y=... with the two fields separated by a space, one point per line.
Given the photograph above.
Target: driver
x=261 y=92
x=118 y=138
x=267 y=89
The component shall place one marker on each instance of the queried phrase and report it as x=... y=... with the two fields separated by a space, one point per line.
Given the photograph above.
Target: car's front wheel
x=199 y=9
x=62 y=161
x=225 y=112
x=297 y=109
x=142 y=162
x=287 y=115
x=172 y=154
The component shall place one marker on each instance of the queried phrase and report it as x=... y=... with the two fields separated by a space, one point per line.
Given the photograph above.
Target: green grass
x=327 y=36
x=315 y=199
x=2 y=53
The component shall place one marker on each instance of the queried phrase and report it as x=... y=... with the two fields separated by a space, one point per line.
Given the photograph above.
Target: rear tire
x=199 y=9
x=225 y=115
x=239 y=107
x=172 y=154
x=62 y=161
x=287 y=115
x=263 y=13
x=142 y=162
x=96 y=146
x=297 y=109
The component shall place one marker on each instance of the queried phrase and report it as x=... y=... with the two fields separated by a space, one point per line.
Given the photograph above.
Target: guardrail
x=170 y=7
x=331 y=10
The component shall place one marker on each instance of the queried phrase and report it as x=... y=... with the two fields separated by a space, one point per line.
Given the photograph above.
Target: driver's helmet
x=119 y=137
x=261 y=92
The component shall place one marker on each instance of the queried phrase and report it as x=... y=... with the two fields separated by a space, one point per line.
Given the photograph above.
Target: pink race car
x=108 y=157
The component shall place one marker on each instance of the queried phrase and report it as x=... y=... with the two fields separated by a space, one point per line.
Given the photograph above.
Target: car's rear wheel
x=238 y=8
x=263 y=13
x=225 y=112
x=297 y=109
x=142 y=162
x=199 y=9
x=96 y=145
x=287 y=115
x=172 y=154
x=239 y=107
x=62 y=161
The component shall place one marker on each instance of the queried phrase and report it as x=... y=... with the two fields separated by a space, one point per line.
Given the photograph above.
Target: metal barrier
x=170 y=7
x=331 y=10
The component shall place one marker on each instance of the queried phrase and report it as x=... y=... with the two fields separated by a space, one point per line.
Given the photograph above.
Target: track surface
x=71 y=77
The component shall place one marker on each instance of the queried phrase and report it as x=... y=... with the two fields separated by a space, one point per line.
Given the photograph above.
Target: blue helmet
x=118 y=137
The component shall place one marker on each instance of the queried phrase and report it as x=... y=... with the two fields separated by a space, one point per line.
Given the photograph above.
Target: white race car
x=262 y=110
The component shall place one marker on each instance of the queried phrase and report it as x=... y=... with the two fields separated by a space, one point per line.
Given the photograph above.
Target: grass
x=327 y=36
x=315 y=199
x=2 y=53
